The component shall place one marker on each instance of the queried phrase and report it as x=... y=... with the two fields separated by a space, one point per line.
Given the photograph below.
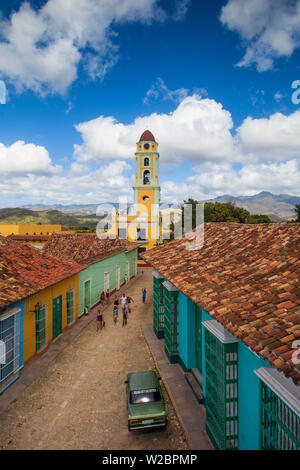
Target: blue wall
x=187 y=347
x=248 y=397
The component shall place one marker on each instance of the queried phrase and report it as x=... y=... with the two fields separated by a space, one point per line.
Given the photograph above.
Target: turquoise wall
x=248 y=389
x=95 y=273
x=187 y=348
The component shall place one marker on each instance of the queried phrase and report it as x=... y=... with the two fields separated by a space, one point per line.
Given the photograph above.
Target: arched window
x=146 y=179
x=146 y=161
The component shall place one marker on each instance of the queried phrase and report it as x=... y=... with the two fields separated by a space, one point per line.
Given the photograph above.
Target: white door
x=118 y=277
x=106 y=281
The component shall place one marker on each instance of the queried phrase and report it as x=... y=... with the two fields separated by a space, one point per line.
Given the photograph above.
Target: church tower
x=142 y=223
x=146 y=189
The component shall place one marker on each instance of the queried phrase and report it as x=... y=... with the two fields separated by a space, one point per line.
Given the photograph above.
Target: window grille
x=279 y=425
x=171 y=324
x=70 y=306
x=158 y=307
x=40 y=327
x=10 y=349
x=221 y=400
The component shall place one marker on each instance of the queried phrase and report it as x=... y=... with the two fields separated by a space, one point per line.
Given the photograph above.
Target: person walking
x=102 y=298
x=129 y=300
x=123 y=300
x=115 y=314
x=99 y=320
x=107 y=296
x=116 y=301
x=144 y=292
x=124 y=317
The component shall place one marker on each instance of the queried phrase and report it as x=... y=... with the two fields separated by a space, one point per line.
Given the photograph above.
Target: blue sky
x=211 y=80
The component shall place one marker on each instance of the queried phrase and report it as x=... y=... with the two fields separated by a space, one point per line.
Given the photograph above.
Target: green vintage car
x=145 y=402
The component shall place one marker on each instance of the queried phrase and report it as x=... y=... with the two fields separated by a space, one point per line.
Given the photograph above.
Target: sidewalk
x=39 y=363
x=190 y=414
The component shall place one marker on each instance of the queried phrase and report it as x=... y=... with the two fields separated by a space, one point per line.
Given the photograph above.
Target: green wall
x=95 y=273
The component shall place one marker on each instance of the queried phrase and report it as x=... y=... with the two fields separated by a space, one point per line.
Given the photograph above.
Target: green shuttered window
x=70 y=306
x=158 y=307
x=171 y=324
x=40 y=327
x=221 y=368
x=279 y=425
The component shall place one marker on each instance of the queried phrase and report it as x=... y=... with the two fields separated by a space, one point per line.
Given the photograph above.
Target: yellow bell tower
x=142 y=224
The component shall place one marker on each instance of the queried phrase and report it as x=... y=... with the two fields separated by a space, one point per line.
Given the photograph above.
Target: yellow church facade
x=142 y=223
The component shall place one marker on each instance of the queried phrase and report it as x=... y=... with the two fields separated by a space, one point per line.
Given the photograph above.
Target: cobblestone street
x=79 y=402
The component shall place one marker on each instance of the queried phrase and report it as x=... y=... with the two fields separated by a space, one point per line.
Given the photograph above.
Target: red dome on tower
x=147 y=136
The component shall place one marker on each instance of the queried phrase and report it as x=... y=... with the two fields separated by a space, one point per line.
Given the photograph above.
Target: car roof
x=143 y=380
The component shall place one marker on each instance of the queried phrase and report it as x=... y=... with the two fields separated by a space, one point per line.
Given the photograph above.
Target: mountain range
x=277 y=206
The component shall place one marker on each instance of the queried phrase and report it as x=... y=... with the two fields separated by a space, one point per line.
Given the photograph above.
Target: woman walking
x=124 y=317
x=99 y=320
x=144 y=292
x=129 y=300
x=115 y=314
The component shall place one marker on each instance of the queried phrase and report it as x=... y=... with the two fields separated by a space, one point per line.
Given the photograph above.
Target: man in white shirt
x=123 y=300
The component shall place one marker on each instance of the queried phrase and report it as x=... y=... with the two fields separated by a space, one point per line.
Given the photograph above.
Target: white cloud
x=269 y=28
x=212 y=179
x=273 y=138
x=198 y=129
x=79 y=185
x=160 y=90
x=21 y=158
x=41 y=49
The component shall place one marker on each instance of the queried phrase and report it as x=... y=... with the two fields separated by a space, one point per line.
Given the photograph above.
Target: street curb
x=186 y=434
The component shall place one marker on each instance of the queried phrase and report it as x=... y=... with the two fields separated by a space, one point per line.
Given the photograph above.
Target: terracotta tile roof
x=29 y=238
x=248 y=278
x=24 y=270
x=85 y=248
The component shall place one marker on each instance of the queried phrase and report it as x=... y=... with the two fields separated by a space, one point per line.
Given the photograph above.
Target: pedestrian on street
x=86 y=310
x=129 y=300
x=124 y=316
x=116 y=301
x=107 y=296
x=123 y=300
x=102 y=298
x=115 y=314
x=144 y=292
x=125 y=278
x=99 y=320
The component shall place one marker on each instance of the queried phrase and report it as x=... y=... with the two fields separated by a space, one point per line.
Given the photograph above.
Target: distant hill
x=80 y=209
x=277 y=207
x=26 y=216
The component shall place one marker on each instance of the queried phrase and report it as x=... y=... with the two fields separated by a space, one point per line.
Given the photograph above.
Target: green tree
x=297 y=210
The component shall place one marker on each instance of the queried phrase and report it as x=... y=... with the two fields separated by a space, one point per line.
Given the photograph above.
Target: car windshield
x=144 y=396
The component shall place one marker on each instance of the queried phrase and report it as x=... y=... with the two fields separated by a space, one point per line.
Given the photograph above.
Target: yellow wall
x=45 y=297
x=30 y=229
